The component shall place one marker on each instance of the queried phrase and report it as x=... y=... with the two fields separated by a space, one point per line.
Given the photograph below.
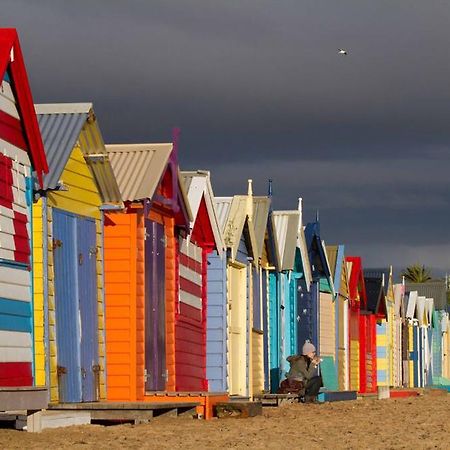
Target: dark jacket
x=301 y=368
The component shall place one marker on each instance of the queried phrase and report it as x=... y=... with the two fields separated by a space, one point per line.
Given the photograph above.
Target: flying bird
x=342 y=51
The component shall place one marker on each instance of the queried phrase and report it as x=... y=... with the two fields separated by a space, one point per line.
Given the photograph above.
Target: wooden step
x=337 y=396
x=276 y=399
x=238 y=410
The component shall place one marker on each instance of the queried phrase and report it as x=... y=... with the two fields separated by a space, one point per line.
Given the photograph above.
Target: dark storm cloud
x=259 y=91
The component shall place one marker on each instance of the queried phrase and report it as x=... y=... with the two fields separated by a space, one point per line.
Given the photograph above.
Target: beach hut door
x=155 y=330
x=75 y=254
x=237 y=329
x=87 y=288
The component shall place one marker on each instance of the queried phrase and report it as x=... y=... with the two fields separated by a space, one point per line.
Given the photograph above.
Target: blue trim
x=29 y=197
x=15 y=315
x=45 y=305
x=13 y=264
x=15 y=307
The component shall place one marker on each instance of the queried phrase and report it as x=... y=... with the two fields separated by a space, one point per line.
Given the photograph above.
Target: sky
x=259 y=91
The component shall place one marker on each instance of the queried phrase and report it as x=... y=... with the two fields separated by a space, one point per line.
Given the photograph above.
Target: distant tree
x=417 y=274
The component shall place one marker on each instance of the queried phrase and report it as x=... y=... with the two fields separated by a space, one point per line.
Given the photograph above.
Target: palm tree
x=417 y=274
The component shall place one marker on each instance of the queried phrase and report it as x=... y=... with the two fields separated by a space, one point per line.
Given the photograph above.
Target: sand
x=418 y=423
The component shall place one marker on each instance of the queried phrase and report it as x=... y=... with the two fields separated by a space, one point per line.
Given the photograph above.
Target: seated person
x=304 y=369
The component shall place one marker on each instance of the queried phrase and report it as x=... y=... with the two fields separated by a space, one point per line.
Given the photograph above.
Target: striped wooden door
x=190 y=326
x=16 y=343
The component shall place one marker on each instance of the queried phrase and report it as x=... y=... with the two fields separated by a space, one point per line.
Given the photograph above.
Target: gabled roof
x=336 y=258
x=420 y=310
x=261 y=206
x=139 y=168
x=197 y=185
x=399 y=291
x=233 y=216
x=285 y=225
x=63 y=125
x=435 y=289
x=356 y=279
x=376 y=300
x=303 y=250
x=12 y=63
x=429 y=310
x=411 y=305
x=320 y=267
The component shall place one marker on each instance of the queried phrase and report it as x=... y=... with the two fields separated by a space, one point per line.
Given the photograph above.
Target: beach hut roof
x=356 y=279
x=197 y=185
x=285 y=225
x=234 y=221
x=62 y=126
x=411 y=304
x=261 y=207
x=140 y=168
x=25 y=133
x=376 y=299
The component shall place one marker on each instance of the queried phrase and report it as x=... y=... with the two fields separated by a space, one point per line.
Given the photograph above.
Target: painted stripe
x=15 y=374
x=16 y=292
x=6 y=91
x=191 y=288
x=15 y=339
x=14 y=308
x=16 y=153
x=15 y=354
x=190 y=299
x=190 y=275
x=15 y=323
x=14 y=276
x=6 y=254
x=11 y=131
x=8 y=106
x=191 y=263
x=6 y=225
x=191 y=250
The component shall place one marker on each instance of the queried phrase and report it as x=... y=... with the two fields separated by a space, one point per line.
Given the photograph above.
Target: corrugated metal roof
x=138 y=168
x=197 y=186
x=223 y=205
x=233 y=215
x=286 y=228
x=332 y=251
x=62 y=126
x=431 y=289
x=261 y=206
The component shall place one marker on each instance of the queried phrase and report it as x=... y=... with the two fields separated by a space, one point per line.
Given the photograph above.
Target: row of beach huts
x=125 y=279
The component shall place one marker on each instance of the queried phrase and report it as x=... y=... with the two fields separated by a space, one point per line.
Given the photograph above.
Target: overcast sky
x=259 y=91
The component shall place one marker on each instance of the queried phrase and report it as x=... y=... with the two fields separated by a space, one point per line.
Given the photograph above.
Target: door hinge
x=80 y=259
x=164 y=241
x=93 y=251
x=146 y=374
x=56 y=243
x=166 y=375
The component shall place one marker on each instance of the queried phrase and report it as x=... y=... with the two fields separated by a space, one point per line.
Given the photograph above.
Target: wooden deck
x=276 y=399
x=66 y=414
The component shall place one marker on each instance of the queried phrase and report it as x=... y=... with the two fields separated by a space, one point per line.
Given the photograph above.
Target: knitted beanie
x=308 y=348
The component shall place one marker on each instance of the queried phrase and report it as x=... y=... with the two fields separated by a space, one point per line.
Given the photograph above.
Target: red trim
x=6 y=181
x=190 y=287
x=9 y=40
x=16 y=374
x=11 y=131
x=190 y=263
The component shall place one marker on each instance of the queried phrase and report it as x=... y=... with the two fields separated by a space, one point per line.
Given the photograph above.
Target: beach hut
x=68 y=248
x=384 y=325
x=191 y=309
x=142 y=276
x=231 y=297
x=283 y=295
x=260 y=380
x=357 y=297
x=397 y=336
x=336 y=257
x=445 y=346
x=309 y=305
x=374 y=361
x=21 y=154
